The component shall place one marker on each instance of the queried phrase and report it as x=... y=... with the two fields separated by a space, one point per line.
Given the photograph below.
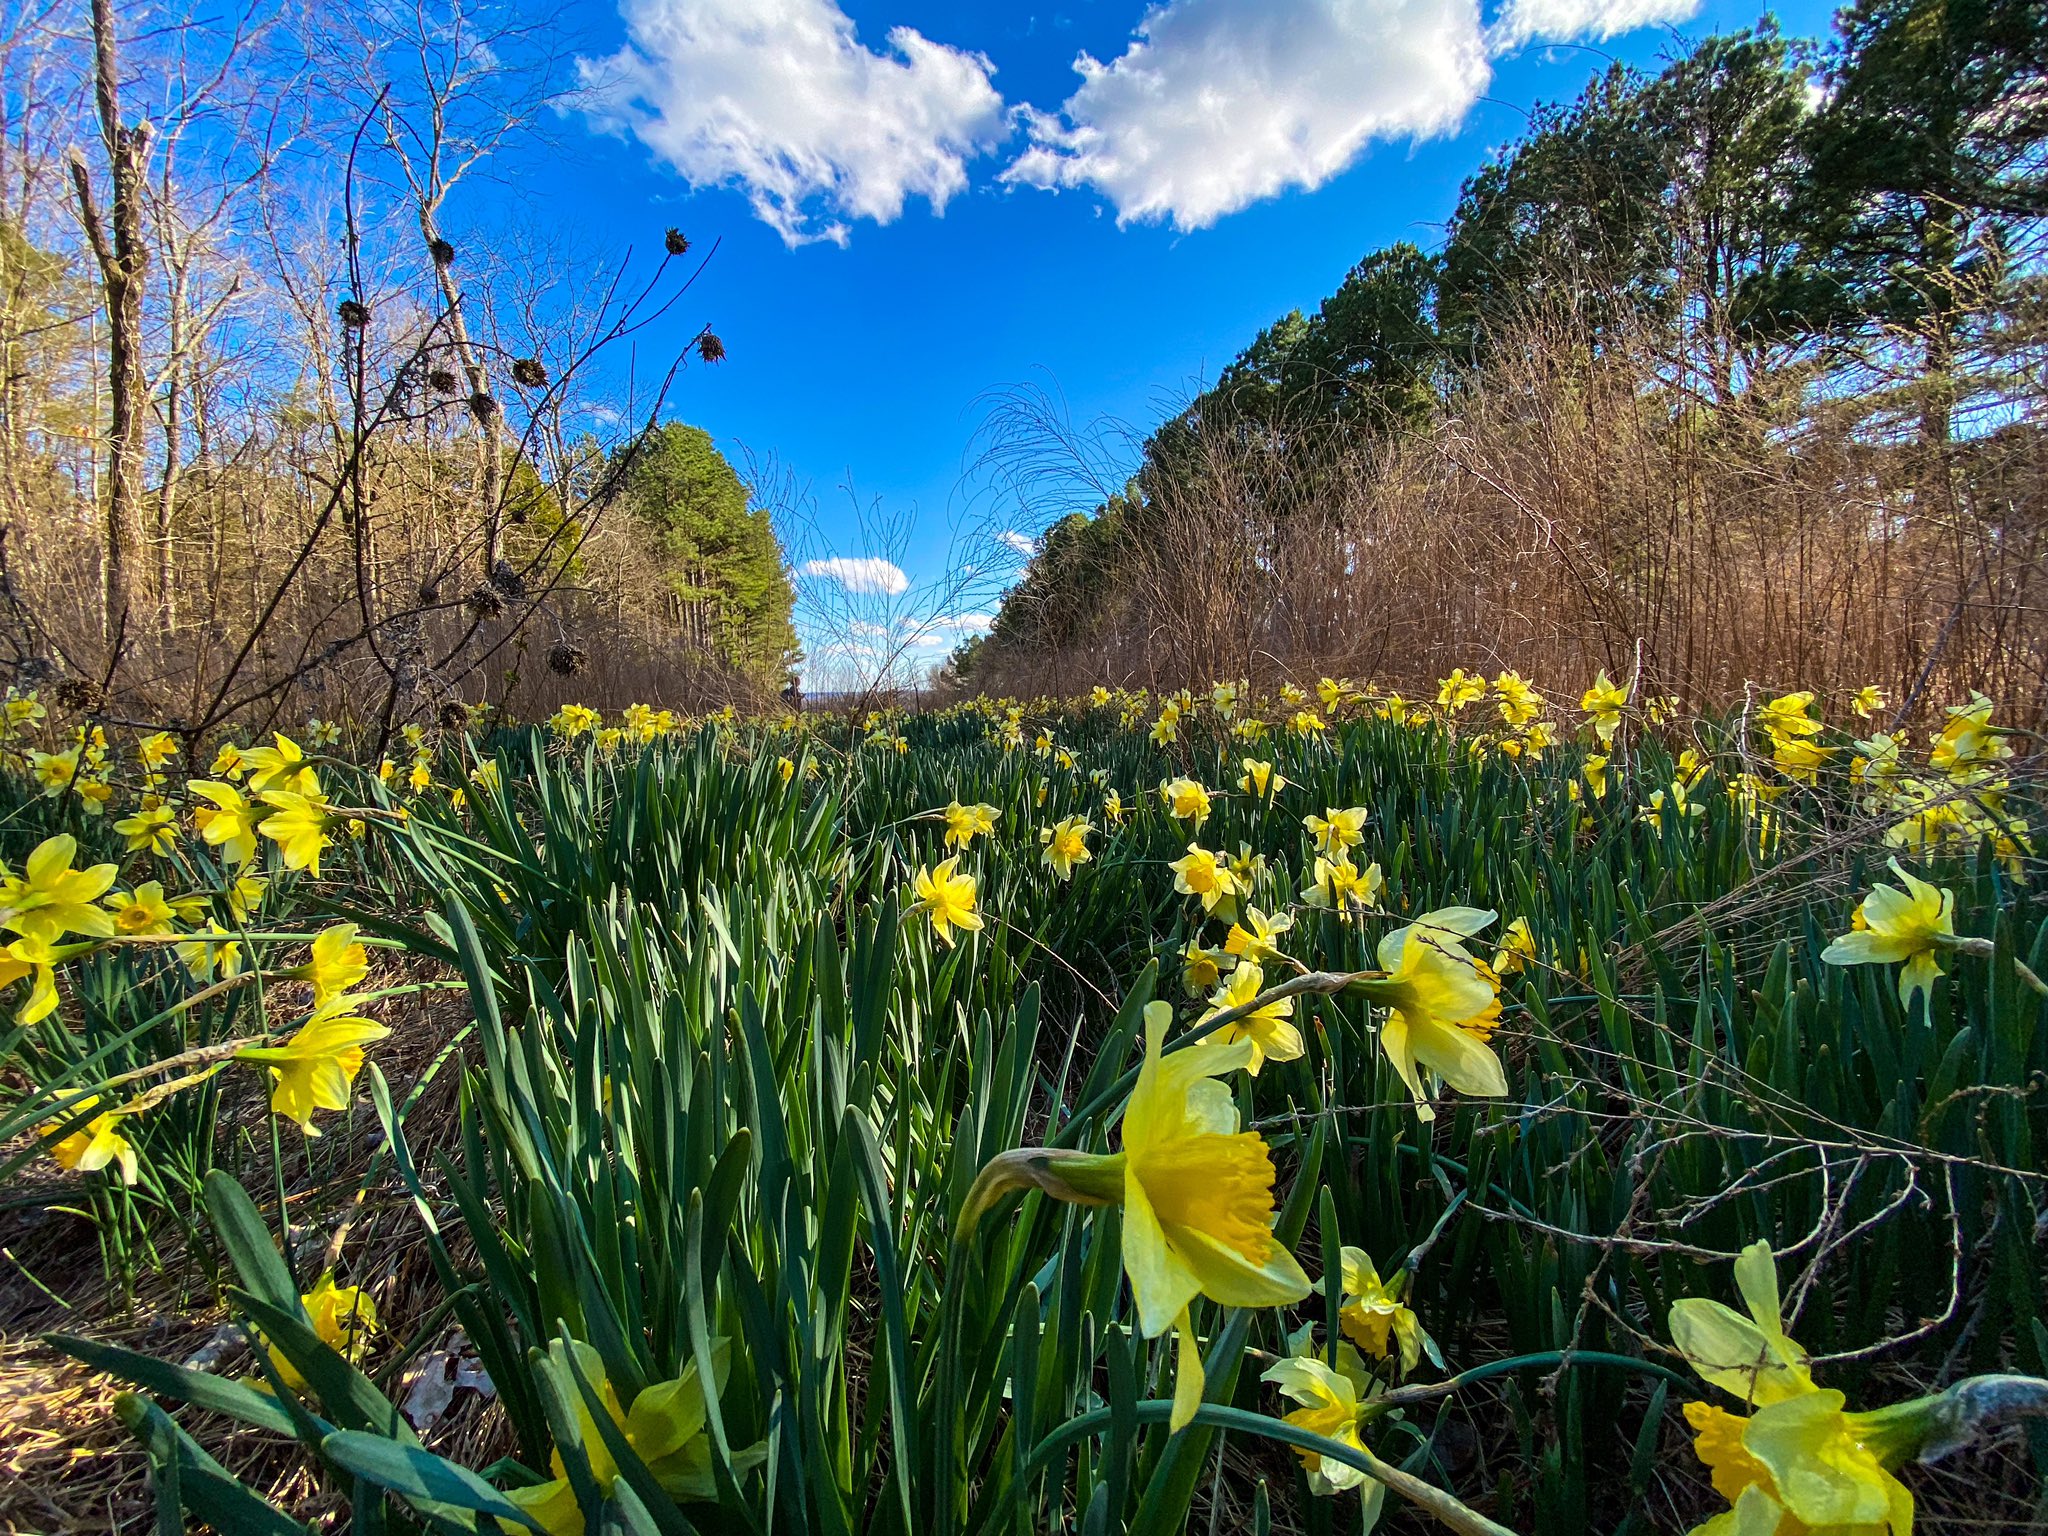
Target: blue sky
x=1118 y=236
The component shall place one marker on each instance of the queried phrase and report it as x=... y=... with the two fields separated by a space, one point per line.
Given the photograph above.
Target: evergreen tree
x=728 y=590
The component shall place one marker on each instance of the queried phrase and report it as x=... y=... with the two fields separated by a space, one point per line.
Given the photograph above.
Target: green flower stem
x=1446 y=1508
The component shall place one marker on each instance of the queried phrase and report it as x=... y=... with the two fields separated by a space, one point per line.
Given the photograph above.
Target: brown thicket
x=1568 y=509
x=284 y=428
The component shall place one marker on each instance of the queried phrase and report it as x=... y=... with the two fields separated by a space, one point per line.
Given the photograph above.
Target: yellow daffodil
x=334 y=964
x=1223 y=699
x=1197 y=1198
x=152 y=828
x=282 y=768
x=1340 y=886
x=1786 y=717
x=1867 y=701
x=30 y=958
x=1305 y=723
x=227 y=762
x=1066 y=844
x=1517 y=948
x=1166 y=729
x=343 y=1316
x=1675 y=804
x=1374 y=1316
x=1595 y=771
x=1750 y=1358
x=1336 y=830
x=1185 y=800
x=298 y=824
x=1900 y=926
x=143 y=912
x=1968 y=738
x=227 y=822
x=664 y=1425
x=1799 y=1463
x=218 y=950
x=316 y=1068
x=946 y=897
x=95 y=1144
x=964 y=823
x=1113 y=808
x=1453 y=693
x=1260 y=779
x=1519 y=703
x=50 y=899
x=1441 y=1006
x=1269 y=1028
x=1333 y=1403
x=1199 y=874
x=1252 y=936
x=1604 y=701
x=54 y=772
x=156 y=749
x=573 y=720
x=1202 y=968
x=1800 y=761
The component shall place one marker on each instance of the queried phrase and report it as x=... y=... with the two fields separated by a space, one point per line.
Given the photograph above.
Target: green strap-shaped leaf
x=202 y=1486
x=202 y=1389
x=250 y=1247
x=419 y=1475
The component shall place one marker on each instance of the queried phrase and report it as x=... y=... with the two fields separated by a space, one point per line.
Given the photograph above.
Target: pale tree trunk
x=122 y=257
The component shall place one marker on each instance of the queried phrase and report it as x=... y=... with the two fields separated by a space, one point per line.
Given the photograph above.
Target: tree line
x=1812 y=265
x=297 y=416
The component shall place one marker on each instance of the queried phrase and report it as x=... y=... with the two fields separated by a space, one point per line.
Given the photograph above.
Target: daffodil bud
x=1079 y=1178
x=1926 y=1429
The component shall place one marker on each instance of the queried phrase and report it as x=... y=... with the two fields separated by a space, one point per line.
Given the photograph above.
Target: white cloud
x=1522 y=21
x=1218 y=103
x=1020 y=543
x=867 y=574
x=948 y=628
x=781 y=99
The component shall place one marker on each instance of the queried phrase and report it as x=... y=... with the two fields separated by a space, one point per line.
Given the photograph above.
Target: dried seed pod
x=483 y=602
x=80 y=694
x=482 y=406
x=354 y=314
x=442 y=252
x=455 y=715
x=443 y=381
x=566 y=659
x=710 y=348
x=507 y=580
x=677 y=242
x=529 y=373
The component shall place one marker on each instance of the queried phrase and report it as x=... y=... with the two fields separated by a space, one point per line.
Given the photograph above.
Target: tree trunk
x=122 y=258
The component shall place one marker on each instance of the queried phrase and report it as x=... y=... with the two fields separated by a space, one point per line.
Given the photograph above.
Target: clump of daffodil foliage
x=1058 y=1114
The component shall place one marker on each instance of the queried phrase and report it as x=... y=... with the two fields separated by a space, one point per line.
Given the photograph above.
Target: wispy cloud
x=782 y=100
x=863 y=573
x=1020 y=543
x=1523 y=21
